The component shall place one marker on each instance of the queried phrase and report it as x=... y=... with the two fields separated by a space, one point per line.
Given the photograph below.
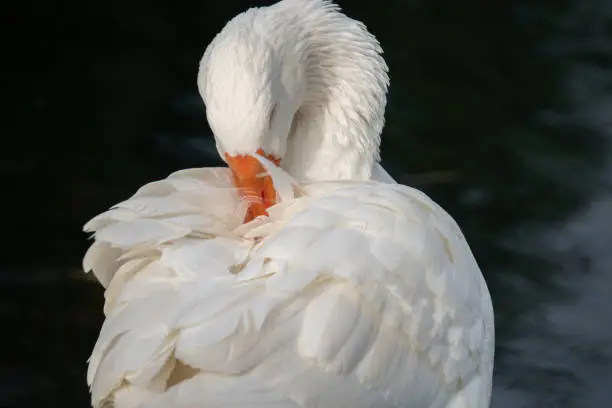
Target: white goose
x=340 y=289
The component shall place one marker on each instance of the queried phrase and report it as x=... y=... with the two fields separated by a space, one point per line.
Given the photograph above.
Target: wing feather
x=347 y=295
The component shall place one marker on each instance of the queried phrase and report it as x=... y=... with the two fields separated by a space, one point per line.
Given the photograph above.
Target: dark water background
x=498 y=110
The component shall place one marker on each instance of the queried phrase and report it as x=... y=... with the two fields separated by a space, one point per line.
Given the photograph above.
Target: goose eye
x=272 y=115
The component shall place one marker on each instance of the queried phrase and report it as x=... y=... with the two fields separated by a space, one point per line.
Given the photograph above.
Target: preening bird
x=302 y=275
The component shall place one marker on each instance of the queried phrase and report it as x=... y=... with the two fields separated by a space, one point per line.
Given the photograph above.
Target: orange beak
x=254 y=185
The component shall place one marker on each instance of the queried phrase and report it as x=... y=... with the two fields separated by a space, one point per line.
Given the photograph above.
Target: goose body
x=348 y=290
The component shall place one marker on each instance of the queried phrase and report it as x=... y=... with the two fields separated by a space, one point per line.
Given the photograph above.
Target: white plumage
x=351 y=293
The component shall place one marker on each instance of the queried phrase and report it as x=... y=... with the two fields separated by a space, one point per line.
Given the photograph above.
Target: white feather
x=364 y=295
x=354 y=292
x=283 y=182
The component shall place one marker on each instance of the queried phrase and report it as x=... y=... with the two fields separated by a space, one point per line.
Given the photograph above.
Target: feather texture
x=350 y=294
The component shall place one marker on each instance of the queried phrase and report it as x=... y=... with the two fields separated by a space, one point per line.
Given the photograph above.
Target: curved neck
x=335 y=133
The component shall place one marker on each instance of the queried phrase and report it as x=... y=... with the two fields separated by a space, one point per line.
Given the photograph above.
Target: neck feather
x=335 y=134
